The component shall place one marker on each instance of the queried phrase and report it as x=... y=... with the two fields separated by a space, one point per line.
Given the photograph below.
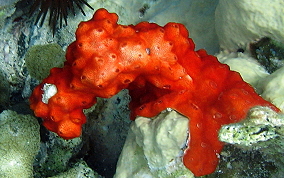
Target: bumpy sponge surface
x=161 y=70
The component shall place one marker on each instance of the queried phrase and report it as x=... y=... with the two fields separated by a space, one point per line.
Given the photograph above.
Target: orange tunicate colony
x=159 y=67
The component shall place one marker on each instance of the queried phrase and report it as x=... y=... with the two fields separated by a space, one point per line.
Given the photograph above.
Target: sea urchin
x=58 y=11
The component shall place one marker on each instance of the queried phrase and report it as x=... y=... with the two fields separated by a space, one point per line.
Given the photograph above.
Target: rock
x=250 y=70
x=271 y=88
x=154 y=147
x=79 y=170
x=261 y=132
x=269 y=53
x=19 y=144
x=240 y=22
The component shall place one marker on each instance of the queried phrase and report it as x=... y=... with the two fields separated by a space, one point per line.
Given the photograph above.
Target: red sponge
x=161 y=70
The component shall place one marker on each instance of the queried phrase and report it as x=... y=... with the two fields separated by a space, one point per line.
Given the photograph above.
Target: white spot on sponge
x=49 y=90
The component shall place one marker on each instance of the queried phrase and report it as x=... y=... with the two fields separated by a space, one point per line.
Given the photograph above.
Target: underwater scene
x=141 y=89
